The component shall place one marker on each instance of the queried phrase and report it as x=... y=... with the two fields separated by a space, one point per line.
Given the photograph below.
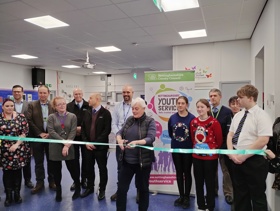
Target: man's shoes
x=28 y=184
x=39 y=187
x=52 y=186
x=84 y=184
x=87 y=192
x=229 y=199
x=179 y=202
x=101 y=195
x=114 y=197
x=73 y=186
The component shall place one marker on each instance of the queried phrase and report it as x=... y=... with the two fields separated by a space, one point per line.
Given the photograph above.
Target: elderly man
x=21 y=106
x=37 y=116
x=78 y=106
x=222 y=114
x=96 y=127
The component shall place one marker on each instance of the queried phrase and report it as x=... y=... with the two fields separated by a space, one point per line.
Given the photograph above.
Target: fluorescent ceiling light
x=172 y=5
x=108 y=49
x=99 y=72
x=24 y=56
x=71 y=66
x=193 y=34
x=46 y=22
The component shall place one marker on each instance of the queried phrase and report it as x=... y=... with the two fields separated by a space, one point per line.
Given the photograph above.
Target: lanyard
x=62 y=119
x=216 y=117
x=125 y=115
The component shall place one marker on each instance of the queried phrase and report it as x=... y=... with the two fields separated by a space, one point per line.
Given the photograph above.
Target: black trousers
x=204 y=173
x=26 y=171
x=39 y=151
x=126 y=175
x=56 y=167
x=12 y=179
x=249 y=184
x=81 y=171
x=183 y=166
x=119 y=165
x=100 y=156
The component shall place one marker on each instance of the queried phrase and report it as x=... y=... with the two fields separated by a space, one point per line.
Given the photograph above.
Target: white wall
x=12 y=74
x=227 y=61
x=267 y=36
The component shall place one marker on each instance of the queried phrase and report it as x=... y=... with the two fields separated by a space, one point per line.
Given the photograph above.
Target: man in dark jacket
x=96 y=127
x=222 y=114
x=78 y=106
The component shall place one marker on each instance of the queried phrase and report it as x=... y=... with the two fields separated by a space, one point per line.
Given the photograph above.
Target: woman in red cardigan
x=206 y=133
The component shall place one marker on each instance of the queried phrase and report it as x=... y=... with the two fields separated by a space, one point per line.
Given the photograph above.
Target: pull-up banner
x=162 y=88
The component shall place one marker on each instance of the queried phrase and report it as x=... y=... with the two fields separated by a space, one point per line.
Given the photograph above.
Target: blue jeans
x=126 y=174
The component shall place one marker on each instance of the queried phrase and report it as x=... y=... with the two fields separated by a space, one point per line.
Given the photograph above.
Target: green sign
x=172 y=76
x=135 y=75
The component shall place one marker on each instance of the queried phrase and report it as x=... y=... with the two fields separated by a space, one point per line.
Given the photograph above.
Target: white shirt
x=257 y=123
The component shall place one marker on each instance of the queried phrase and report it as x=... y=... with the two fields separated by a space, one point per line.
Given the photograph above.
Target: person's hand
x=13 y=147
x=44 y=135
x=78 y=131
x=121 y=143
x=132 y=144
x=68 y=145
x=270 y=155
x=235 y=159
x=65 y=150
x=90 y=147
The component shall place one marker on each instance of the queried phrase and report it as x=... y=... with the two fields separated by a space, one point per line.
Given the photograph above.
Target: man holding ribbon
x=37 y=116
x=250 y=130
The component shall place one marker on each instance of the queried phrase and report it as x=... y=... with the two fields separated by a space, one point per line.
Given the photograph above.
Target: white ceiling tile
x=88 y=3
x=132 y=32
x=189 y=25
x=20 y=10
x=222 y=10
x=150 y=20
x=184 y=15
x=139 y=8
x=245 y=28
x=203 y=3
x=161 y=29
x=243 y=35
x=110 y=12
x=50 y=6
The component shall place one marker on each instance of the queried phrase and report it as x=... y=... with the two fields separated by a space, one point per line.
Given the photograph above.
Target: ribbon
x=196 y=151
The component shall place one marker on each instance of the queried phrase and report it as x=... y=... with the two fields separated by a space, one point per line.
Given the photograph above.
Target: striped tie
x=238 y=131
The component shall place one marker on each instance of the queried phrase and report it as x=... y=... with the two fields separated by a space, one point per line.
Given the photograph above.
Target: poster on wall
x=162 y=88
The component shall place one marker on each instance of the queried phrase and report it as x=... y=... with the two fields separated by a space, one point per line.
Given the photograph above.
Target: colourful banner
x=162 y=88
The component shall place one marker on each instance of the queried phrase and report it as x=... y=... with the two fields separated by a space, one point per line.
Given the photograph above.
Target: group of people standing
x=215 y=127
x=218 y=127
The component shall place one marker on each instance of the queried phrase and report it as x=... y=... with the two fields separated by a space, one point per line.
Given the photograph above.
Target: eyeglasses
x=61 y=104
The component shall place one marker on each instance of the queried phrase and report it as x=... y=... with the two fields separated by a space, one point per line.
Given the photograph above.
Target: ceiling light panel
x=46 y=22
x=24 y=56
x=173 y=5
x=108 y=49
x=193 y=34
x=71 y=66
x=99 y=72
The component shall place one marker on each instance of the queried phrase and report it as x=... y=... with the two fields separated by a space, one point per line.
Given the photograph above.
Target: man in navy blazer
x=21 y=106
x=96 y=127
x=37 y=116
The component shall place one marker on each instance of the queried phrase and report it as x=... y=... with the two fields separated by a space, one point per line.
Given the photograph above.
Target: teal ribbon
x=196 y=151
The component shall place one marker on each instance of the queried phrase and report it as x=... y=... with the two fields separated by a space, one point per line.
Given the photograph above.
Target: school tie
x=93 y=111
x=239 y=128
